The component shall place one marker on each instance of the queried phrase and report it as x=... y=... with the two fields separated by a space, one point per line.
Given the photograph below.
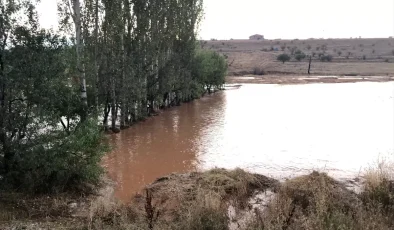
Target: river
x=276 y=130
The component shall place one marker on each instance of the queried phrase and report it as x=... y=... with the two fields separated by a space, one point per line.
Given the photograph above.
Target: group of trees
x=112 y=63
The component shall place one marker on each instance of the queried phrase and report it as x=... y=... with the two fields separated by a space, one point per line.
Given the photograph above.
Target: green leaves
x=210 y=68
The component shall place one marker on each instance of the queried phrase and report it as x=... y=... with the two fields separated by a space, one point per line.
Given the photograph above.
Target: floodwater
x=277 y=130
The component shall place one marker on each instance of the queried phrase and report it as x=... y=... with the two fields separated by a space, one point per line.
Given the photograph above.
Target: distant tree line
x=113 y=62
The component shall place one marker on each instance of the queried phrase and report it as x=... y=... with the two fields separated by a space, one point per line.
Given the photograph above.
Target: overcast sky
x=225 y=19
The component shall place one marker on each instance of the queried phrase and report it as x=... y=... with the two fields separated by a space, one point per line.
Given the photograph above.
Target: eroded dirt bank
x=216 y=199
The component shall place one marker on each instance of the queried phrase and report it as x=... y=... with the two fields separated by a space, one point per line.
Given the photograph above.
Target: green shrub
x=299 y=55
x=60 y=162
x=326 y=58
x=283 y=58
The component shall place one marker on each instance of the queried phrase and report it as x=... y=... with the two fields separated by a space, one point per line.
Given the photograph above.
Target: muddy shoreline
x=303 y=79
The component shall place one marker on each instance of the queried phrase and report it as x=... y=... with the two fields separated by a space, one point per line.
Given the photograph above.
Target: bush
x=62 y=162
x=283 y=58
x=326 y=58
x=339 y=53
x=309 y=47
x=258 y=71
x=364 y=57
x=299 y=55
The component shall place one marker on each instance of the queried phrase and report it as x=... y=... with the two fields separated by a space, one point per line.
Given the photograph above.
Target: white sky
x=225 y=19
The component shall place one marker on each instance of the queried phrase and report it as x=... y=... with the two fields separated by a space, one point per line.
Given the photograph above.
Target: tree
x=325 y=58
x=283 y=58
x=299 y=55
x=132 y=57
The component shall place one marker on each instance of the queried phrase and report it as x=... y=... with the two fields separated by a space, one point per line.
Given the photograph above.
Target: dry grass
x=378 y=187
x=197 y=201
x=316 y=202
x=245 y=55
x=183 y=201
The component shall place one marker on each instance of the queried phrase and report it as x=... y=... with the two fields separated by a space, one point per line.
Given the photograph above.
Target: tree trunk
x=310 y=62
x=80 y=65
x=113 y=103
x=96 y=66
x=123 y=111
x=3 y=106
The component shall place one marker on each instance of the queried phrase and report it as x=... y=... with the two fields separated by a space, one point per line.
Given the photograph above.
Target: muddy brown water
x=277 y=130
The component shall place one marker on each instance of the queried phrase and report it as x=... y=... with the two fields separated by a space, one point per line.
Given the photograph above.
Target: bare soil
x=355 y=57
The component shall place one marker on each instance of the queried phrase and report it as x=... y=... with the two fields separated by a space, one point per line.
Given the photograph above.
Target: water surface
x=276 y=130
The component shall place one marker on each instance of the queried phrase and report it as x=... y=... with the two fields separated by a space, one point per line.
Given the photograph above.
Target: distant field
x=366 y=57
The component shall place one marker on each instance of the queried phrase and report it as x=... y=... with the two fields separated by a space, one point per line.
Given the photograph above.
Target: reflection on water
x=277 y=130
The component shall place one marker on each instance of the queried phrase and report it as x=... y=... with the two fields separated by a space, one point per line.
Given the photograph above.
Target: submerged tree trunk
x=123 y=111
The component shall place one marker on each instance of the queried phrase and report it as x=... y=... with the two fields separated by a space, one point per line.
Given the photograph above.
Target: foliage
x=118 y=58
x=43 y=145
x=209 y=69
x=325 y=58
x=299 y=55
x=283 y=58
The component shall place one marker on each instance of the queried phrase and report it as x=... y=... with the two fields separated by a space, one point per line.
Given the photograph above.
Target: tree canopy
x=111 y=64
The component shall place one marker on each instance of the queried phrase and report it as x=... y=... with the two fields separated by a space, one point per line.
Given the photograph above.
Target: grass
x=317 y=201
x=201 y=201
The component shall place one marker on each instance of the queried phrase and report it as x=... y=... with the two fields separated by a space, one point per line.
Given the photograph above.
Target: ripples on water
x=276 y=130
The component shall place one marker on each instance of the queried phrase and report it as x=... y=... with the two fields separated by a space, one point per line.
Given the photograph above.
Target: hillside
x=365 y=57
